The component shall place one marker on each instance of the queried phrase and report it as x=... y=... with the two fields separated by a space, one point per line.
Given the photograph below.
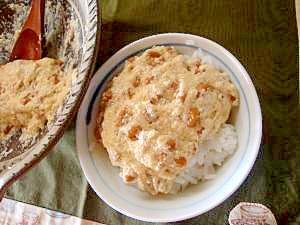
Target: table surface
x=262 y=34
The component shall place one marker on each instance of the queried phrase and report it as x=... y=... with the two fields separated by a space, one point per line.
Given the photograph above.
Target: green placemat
x=262 y=34
x=57 y=182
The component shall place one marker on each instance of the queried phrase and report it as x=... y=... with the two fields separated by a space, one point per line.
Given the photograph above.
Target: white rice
x=211 y=154
x=206 y=58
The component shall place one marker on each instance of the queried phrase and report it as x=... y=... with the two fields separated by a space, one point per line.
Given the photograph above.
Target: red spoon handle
x=29 y=43
x=35 y=19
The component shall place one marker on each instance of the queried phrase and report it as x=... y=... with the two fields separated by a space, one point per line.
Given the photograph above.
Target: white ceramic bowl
x=196 y=199
x=17 y=159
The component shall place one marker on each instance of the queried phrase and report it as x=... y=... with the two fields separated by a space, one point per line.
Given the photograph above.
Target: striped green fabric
x=262 y=34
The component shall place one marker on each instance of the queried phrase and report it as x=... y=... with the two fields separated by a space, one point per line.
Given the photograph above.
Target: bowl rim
x=87 y=99
x=31 y=159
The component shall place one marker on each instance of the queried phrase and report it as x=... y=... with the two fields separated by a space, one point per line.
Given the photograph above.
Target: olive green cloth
x=57 y=182
x=262 y=34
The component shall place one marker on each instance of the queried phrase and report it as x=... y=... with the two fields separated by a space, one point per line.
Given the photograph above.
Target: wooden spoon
x=29 y=43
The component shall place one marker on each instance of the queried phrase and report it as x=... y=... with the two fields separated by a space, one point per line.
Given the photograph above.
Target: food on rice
x=163 y=120
x=31 y=92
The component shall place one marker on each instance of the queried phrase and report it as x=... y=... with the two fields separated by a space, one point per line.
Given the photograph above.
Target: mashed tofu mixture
x=30 y=94
x=156 y=113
